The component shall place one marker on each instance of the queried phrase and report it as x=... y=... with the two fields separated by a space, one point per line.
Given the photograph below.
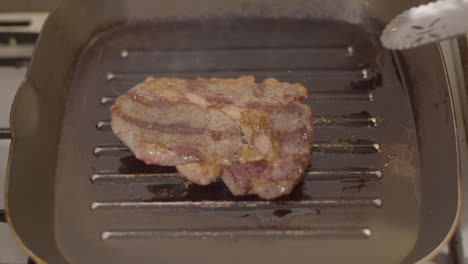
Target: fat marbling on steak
x=256 y=136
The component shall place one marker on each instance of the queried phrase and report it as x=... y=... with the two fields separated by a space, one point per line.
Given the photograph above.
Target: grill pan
x=383 y=187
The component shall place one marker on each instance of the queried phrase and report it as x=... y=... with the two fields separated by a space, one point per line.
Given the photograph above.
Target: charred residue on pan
x=355 y=185
x=216 y=191
x=281 y=212
x=168 y=192
x=367 y=84
x=130 y=164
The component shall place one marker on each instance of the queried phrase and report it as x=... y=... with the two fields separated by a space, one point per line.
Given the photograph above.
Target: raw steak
x=257 y=137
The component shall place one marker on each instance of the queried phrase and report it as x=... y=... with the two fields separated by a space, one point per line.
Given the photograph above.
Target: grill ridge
x=237 y=205
x=306 y=233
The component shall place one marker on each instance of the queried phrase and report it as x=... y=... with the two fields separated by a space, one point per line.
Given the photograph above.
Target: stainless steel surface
x=28 y=6
x=12 y=50
x=22 y=22
x=10 y=252
x=13 y=55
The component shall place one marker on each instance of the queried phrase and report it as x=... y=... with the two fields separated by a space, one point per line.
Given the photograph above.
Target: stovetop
x=11 y=78
x=16 y=45
x=17 y=40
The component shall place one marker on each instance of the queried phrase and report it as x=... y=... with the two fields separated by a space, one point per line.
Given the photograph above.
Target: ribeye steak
x=256 y=136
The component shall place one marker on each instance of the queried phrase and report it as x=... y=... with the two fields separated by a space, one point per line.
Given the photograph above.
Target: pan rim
x=436 y=251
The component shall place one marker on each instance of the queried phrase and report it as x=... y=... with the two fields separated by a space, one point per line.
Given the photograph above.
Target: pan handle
x=5 y=133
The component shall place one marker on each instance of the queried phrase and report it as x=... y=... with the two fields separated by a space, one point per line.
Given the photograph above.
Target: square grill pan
x=362 y=200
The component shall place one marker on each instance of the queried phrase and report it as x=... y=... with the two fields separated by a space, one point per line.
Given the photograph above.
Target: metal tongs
x=427 y=23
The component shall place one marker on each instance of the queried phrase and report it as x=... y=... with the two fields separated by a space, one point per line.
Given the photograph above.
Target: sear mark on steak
x=256 y=137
